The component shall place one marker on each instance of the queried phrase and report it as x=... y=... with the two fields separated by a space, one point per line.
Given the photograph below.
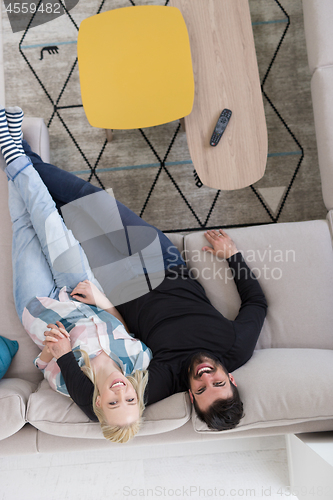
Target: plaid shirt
x=91 y=329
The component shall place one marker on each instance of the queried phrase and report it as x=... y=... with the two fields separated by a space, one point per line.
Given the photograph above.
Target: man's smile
x=203 y=368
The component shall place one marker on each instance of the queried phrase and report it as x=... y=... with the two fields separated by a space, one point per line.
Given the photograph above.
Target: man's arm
x=222 y=247
x=252 y=297
x=251 y=316
x=247 y=284
x=252 y=313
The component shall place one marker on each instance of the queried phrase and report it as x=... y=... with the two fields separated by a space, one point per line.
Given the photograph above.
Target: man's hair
x=223 y=414
x=116 y=433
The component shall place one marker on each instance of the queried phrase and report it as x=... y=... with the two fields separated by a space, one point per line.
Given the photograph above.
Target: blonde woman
x=62 y=307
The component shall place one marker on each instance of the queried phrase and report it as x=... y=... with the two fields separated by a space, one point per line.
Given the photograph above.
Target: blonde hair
x=115 y=433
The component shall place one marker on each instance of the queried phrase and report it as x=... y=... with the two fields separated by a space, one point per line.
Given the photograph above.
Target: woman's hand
x=223 y=246
x=88 y=293
x=57 y=340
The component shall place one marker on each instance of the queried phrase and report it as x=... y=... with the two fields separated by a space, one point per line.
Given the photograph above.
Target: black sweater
x=176 y=320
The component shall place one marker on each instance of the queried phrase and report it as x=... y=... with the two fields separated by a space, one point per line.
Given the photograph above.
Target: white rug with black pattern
x=150 y=170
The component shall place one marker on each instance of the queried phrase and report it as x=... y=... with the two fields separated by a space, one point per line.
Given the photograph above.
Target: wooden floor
x=246 y=469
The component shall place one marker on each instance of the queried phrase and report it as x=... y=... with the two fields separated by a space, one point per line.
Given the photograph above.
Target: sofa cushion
x=318 y=21
x=280 y=387
x=10 y=326
x=20 y=443
x=322 y=100
x=22 y=366
x=178 y=240
x=14 y=394
x=293 y=262
x=56 y=414
x=8 y=349
x=36 y=133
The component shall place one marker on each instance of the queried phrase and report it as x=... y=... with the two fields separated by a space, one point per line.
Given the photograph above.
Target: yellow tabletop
x=135 y=67
x=226 y=76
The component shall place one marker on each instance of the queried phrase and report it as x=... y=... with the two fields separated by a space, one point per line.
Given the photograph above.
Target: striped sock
x=8 y=147
x=14 y=120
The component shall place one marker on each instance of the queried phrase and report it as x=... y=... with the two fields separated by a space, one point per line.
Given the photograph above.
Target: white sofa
x=286 y=386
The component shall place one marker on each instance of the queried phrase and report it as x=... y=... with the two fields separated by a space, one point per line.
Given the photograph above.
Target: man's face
x=208 y=381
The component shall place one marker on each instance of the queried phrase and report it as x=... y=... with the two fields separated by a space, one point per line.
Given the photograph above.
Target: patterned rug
x=150 y=170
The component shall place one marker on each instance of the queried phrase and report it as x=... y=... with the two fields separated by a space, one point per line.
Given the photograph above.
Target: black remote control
x=220 y=127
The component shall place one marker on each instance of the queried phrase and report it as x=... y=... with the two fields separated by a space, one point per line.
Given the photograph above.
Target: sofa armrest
x=14 y=394
x=322 y=100
x=36 y=134
x=318 y=20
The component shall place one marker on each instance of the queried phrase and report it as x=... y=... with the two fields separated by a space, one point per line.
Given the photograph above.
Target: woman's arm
x=56 y=332
x=46 y=355
x=79 y=386
x=88 y=293
x=57 y=340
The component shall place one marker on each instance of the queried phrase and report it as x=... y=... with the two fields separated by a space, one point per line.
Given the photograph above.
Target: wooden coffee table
x=226 y=76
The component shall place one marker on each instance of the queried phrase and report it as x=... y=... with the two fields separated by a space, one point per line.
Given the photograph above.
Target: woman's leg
x=66 y=187
x=65 y=257
x=63 y=186
x=32 y=275
x=34 y=215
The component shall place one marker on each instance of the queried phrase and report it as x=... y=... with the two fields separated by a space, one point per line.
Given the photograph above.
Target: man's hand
x=223 y=246
x=57 y=340
x=88 y=293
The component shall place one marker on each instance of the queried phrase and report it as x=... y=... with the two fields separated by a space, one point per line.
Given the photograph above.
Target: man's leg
x=63 y=186
x=66 y=187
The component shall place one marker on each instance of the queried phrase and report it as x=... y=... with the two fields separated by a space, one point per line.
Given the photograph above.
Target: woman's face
x=118 y=400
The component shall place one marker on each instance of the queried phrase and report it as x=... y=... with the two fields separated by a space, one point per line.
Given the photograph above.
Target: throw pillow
x=8 y=349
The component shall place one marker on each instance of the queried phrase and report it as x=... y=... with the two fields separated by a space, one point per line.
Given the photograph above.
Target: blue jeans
x=40 y=237
x=65 y=187
x=106 y=250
